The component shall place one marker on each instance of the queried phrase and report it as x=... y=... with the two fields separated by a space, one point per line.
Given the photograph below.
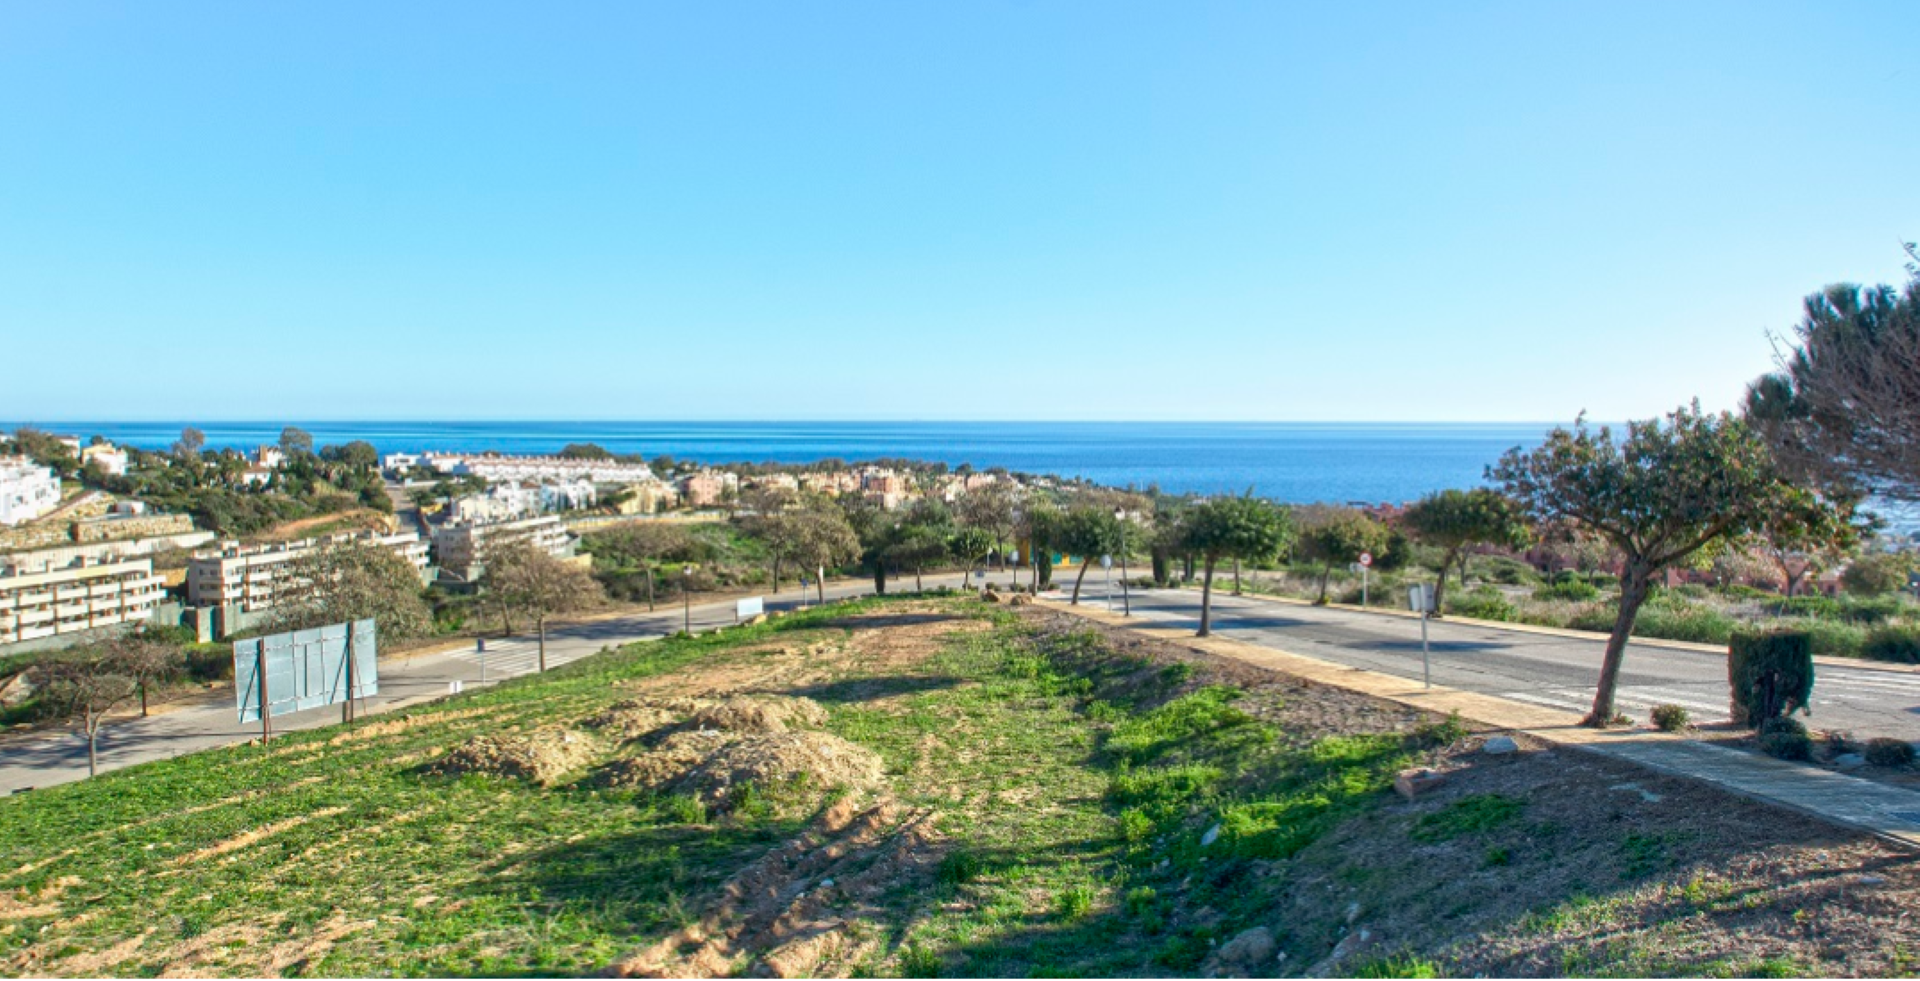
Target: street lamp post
x=1126 y=598
x=686 y=599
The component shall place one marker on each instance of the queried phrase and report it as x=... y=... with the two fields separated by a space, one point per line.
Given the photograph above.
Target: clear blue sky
x=1272 y=211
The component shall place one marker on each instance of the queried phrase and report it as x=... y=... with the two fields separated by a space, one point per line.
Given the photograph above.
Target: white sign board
x=1420 y=597
x=750 y=607
x=1366 y=558
x=305 y=669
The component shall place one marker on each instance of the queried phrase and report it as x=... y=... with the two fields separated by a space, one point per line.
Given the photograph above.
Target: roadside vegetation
x=1010 y=793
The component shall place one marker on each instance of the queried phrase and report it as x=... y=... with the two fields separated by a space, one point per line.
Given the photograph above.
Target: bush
x=1901 y=644
x=1787 y=745
x=1572 y=590
x=1770 y=675
x=210 y=662
x=1834 y=638
x=1876 y=574
x=1889 y=752
x=1484 y=603
x=1783 y=725
x=1683 y=621
x=1670 y=718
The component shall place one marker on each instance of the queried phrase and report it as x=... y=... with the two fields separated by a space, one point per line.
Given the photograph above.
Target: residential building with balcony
x=460 y=548
x=41 y=600
x=251 y=577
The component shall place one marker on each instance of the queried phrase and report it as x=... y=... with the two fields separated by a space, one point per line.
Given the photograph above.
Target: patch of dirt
x=669 y=761
x=261 y=833
x=401 y=723
x=542 y=756
x=637 y=718
x=791 y=907
x=712 y=765
x=762 y=713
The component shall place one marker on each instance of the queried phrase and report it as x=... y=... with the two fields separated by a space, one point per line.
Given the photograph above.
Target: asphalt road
x=1531 y=667
x=45 y=759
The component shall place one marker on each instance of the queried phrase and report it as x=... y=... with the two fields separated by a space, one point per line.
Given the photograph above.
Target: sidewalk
x=1887 y=812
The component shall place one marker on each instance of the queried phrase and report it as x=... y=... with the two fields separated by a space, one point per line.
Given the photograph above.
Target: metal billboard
x=305 y=669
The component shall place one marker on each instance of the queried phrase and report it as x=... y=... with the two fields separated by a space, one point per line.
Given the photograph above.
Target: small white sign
x=1106 y=561
x=1420 y=597
x=1366 y=558
x=750 y=607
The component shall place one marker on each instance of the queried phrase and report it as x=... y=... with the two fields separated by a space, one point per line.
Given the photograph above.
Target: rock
x=1212 y=835
x=1353 y=913
x=990 y=596
x=1018 y=599
x=756 y=619
x=1413 y=783
x=1500 y=746
x=1848 y=761
x=1873 y=880
x=1248 y=948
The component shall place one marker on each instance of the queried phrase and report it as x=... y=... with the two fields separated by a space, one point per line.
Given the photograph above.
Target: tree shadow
x=873 y=689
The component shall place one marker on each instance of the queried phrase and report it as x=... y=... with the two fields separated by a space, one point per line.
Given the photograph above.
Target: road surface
x=1542 y=669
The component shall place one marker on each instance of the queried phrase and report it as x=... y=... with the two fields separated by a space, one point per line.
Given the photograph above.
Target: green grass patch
x=1477 y=814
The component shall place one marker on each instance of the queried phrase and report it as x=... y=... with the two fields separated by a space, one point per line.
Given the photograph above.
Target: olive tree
x=1665 y=490
x=1244 y=528
x=990 y=509
x=1456 y=520
x=1336 y=536
x=1089 y=531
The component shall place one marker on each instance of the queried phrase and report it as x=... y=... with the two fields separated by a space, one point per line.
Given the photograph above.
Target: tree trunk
x=93 y=743
x=1326 y=573
x=1236 y=575
x=821 y=586
x=1077 y=580
x=543 y=643
x=1633 y=592
x=1161 y=568
x=1206 y=601
x=776 y=577
x=917 y=586
x=1186 y=563
x=1440 y=586
x=879 y=579
x=649 y=589
x=143 y=699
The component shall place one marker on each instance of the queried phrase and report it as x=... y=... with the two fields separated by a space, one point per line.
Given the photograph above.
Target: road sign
x=1420 y=597
x=305 y=669
x=1106 y=561
x=1366 y=558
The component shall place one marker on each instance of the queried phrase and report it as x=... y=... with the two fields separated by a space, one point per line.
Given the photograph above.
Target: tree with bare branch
x=85 y=684
x=525 y=579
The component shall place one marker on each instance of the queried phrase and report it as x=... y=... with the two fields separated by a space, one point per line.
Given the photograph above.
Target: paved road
x=1539 y=668
x=46 y=759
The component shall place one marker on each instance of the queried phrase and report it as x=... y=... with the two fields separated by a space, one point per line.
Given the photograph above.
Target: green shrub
x=1679 y=620
x=1876 y=574
x=1483 y=603
x=1784 y=724
x=1770 y=675
x=1901 y=644
x=210 y=662
x=1692 y=591
x=1889 y=752
x=960 y=867
x=1787 y=745
x=1508 y=572
x=1074 y=902
x=1833 y=638
x=1572 y=590
x=1670 y=718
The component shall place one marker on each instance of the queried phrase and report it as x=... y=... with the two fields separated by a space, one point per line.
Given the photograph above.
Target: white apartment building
x=27 y=490
x=45 y=600
x=251 y=577
x=501 y=502
x=460 y=549
x=539 y=468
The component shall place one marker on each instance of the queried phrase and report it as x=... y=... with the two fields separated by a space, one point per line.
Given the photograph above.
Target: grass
x=1098 y=814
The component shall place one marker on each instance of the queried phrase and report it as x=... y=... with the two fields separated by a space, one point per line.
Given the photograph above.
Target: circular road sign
x=1366 y=558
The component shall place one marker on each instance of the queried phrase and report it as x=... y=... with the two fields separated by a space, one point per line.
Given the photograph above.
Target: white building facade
x=253 y=577
x=27 y=490
x=39 y=601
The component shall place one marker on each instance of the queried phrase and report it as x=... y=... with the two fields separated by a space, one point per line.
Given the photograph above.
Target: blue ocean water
x=1291 y=462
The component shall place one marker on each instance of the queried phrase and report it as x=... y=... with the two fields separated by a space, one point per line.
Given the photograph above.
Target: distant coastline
x=1290 y=462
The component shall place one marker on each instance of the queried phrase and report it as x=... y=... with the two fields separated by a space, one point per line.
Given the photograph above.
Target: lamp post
x=686 y=599
x=1126 y=598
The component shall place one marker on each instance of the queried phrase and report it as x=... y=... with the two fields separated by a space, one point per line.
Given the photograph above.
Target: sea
x=1289 y=462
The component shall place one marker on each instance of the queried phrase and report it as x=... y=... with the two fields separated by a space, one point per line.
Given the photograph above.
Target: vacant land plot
x=926 y=788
